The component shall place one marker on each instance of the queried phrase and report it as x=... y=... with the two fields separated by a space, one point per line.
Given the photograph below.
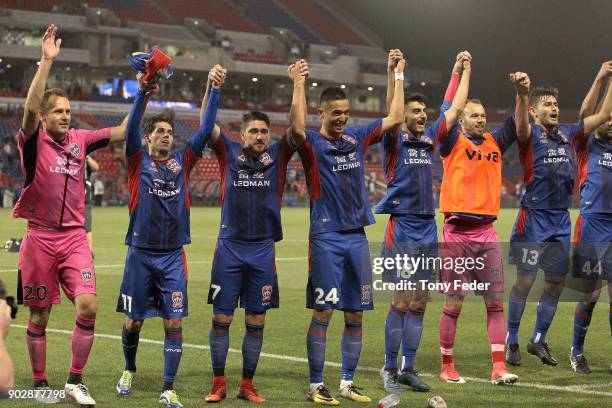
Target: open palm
x=51 y=46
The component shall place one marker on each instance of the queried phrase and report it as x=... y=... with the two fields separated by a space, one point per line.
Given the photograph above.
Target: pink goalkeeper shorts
x=50 y=257
x=479 y=243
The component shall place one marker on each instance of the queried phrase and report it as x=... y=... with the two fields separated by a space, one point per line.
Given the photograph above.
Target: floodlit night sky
x=560 y=43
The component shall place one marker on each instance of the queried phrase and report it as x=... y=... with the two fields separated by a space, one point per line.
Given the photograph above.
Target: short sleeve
x=367 y=134
x=505 y=134
x=438 y=130
x=576 y=131
x=94 y=139
x=222 y=145
x=447 y=141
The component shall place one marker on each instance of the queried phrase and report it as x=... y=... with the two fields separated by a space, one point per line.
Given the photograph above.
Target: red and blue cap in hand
x=151 y=63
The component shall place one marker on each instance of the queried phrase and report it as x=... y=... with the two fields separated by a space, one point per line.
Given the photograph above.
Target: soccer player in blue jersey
x=339 y=260
x=155 y=277
x=593 y=232
x=252 y=183
x=411 y=230
x=541 y=234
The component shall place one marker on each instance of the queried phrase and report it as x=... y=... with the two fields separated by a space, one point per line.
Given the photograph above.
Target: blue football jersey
x=335 y=174
x=408 y=168
x=594 y=161
x=548 y=166
x=251 y=190
x=159 y=202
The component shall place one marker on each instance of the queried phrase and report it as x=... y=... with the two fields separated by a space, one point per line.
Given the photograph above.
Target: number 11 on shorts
x=127 y=302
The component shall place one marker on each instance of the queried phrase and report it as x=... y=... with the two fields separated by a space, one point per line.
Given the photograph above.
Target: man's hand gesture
x=298 y=71
x=605 y=70
x=51 y=46
x=460 y=59
x=394 y=56
x=521 y=82
x=216 y=75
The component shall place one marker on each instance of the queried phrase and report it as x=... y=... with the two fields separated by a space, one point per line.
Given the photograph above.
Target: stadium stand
x=332 y=30
x=218 y=12
x=32 y=5
x=137 y=10
x=274 y=15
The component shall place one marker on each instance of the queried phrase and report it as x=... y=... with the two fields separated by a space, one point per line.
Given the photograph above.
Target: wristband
x=399 y=76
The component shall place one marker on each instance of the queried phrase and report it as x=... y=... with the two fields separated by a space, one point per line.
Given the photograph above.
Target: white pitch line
x=570 y=389
x=280 y=259
x=586 y=386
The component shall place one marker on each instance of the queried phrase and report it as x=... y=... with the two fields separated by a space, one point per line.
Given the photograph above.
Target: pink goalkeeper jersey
x=54 y=190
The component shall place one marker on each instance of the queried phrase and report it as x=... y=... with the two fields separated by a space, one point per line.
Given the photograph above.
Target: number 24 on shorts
x=331 y=297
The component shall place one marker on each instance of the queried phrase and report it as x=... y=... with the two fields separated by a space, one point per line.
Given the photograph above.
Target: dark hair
x=45 y=104
x=539 y=92
x=415 y=97
x=333 y=93
x=254 y=115
x=149 y=125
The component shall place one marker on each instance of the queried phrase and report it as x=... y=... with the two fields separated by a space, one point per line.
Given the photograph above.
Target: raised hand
x=401 y=63
x=605 y=70
x=51 y=46
x=298 y=71
x=217 y=75
x=394 y=56
x=521 y=82
x=461 y=57
x=151 y=87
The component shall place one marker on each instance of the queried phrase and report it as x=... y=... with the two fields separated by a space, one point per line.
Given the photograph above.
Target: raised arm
x=395 y=115
x=208 y=127
x=298 y=73
x=460 y=97
x=594 y=121
x=521 y=110
x=50 y=51
x=590 y=100
x=131 y=124
x=394 y=56
x=216 y=78
x=453 y=83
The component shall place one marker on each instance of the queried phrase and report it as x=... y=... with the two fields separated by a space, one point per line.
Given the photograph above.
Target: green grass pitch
x=282 y=375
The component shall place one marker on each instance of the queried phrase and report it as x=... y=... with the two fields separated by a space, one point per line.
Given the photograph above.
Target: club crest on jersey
x=75 y=150
x=366 y=294
x=349 y=139
x=426 y=139
x=86 y=275
x=177 y=300
x=173 y=166
x=543 y=138
x=266 y=293
x=265 y=159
